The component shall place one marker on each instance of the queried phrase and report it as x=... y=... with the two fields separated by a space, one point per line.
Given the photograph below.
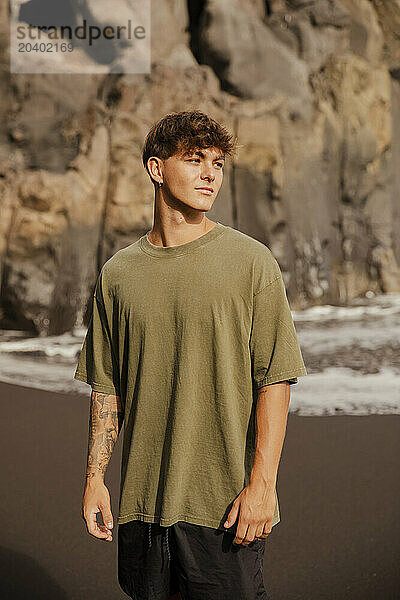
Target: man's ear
x=154 y=167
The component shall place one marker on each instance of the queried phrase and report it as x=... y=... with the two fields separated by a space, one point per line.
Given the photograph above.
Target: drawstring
x=166 y=540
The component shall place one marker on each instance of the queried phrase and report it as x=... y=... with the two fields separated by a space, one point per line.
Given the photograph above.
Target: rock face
x=310 y=89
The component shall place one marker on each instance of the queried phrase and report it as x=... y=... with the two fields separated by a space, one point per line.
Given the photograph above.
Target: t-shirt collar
x=172 y=251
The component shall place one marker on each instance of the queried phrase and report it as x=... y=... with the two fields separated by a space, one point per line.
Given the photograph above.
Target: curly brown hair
x=186 y=131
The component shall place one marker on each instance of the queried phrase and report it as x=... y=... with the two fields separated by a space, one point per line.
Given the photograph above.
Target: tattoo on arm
x=105 y=423
x=266 y=388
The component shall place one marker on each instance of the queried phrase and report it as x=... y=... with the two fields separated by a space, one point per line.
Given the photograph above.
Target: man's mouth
x=206 y=190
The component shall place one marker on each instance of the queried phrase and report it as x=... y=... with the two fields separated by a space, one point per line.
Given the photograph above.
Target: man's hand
x=96 y=499
x=255 y=506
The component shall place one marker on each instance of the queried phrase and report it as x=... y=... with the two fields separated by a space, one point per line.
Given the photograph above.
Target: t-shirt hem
x=282 y=376
x=97 y=387
x=164 y=522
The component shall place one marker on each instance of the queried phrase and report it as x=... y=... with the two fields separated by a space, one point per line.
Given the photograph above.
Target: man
x=192 y=345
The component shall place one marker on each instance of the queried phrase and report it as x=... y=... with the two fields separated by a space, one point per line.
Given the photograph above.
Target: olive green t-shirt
x=185 y=335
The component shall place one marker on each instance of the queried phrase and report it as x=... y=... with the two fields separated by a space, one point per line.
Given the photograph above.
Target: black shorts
x=202 y=563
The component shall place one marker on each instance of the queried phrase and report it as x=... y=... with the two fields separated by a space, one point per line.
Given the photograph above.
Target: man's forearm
x=105 y=422
x=271 y=419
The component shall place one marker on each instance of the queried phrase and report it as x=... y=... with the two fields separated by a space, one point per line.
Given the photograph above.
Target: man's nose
x=207 y=173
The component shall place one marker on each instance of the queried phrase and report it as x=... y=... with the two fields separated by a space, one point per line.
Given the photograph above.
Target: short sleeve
x=97 y=363
x=274 y=347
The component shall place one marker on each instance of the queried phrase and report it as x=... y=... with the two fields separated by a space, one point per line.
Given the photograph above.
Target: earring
x=160 y=184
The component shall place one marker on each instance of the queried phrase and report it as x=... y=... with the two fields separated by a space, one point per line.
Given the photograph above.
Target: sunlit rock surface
x=311 y=90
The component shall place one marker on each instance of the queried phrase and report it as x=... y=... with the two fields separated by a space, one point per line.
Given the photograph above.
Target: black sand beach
x=338 y=488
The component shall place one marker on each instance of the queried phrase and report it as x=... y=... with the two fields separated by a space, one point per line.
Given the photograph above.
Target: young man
x=192 y=345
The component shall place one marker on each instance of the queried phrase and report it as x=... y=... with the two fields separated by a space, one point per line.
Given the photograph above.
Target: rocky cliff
x=311 y=88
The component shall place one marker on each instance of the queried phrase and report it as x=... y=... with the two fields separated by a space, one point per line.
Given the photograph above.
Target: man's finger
x=260 y=534
x=250 y=536
x=93 y=527
x=266 y=530
x=108 y=536
x=232 y=515
x=107 y=517
x=240 y=532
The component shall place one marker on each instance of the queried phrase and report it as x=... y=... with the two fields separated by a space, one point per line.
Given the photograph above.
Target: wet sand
x=338 y=489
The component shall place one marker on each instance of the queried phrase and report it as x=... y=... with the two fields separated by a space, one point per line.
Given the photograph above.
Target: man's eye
x=220 y=165
x=195 y=159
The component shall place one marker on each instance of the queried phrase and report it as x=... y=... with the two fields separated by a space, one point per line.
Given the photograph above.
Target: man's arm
x=105 y=422
x=256 y=503
x=271 y=419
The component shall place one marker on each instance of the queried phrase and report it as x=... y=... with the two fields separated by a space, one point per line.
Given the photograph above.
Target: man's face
x=194 y=178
